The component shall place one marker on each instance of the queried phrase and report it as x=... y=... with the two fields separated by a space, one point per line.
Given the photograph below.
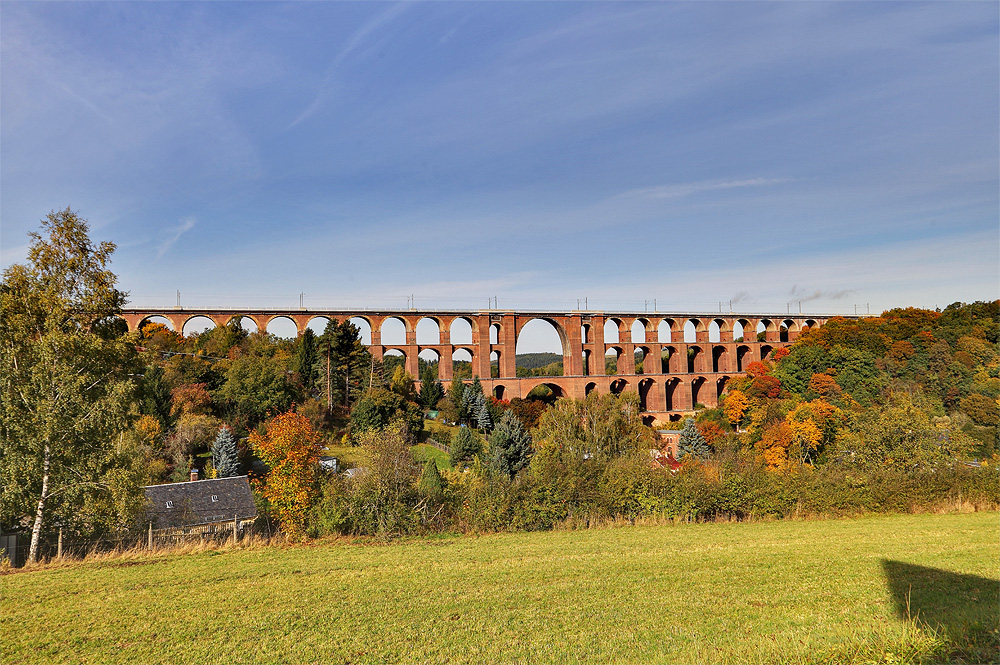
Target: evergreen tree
x=224 y=458
x=343 y=363
x=456 y=393
x=465 y=445
x=431 y=484
x=483 y=418
x=510 y=446
x=692 y=442
x=431 y=390
x=305 y=360
x=154 y=395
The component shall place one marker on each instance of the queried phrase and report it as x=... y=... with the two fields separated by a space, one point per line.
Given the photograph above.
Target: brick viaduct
x=676 y=375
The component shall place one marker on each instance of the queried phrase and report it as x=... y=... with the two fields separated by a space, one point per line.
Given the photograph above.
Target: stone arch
x=787 y=330
x=720 y=359
x=389 y=361
x=717 y=329
x=429 y=356
x=618 y=386
x=664 y=330
x=319 y=323
x=696 y=385
x=693 y=359
x=428 y=331
x=612 y=331
x=644 y=387
x=197 y=324
x=670 y=363
x=585 y=333
x=641 y=354
x=494 y=333
x=242 y=319
x=639 y=329
x=766 y=330
x=808 y=324
x=156 y=318
x=617 y=352
x=589 y=388
x=278 y=327
x=669 y=394
x=549 y=335
x=364 y=326
x=695 y=330
x=498 y=392
x=495 y=363
x=586 y=360
x=393 y=331
x=745 y=328
x=460 y=330
x=765 y=351
x=742 y=352
x=557 y=390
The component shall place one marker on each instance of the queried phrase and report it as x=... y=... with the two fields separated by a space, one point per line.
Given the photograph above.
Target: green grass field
x=793 y=591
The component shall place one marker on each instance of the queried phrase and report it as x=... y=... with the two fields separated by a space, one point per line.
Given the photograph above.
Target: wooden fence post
x=236 y=526
x=149 y=538
x=59 y=546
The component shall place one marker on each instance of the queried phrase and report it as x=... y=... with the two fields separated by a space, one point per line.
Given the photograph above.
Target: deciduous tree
x=290 y=447
x=66 y=365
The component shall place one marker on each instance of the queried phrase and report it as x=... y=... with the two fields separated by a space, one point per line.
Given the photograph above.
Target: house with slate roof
x=200 y=505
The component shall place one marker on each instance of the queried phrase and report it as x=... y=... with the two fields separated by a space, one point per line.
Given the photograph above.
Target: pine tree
x=306 y=358
x=224 y=457
x=465 y=445
x=431 y=484
x=692 y=442
x=510 y=446
x=483 y=418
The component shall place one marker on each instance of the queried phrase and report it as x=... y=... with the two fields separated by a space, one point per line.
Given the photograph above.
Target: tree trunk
x=36 y=530
x=329 y=382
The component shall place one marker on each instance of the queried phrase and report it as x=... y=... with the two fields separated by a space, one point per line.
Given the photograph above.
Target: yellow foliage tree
x=736 y=406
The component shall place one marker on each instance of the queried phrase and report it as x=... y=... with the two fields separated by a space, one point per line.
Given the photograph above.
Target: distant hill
x=537 y=360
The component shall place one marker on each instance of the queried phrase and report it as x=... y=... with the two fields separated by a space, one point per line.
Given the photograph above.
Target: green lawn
x=794 y=591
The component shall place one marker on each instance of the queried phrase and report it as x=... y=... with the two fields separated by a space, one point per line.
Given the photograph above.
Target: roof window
x=170 y=504
x=215 y=497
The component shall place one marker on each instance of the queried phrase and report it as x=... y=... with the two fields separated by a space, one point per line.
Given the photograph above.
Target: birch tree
x=66 y=387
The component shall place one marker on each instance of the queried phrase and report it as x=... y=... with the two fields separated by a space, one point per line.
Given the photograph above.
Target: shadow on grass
x=962 y=609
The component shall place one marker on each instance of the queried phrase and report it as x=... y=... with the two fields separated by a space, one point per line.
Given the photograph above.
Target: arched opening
x=692 y=359
x=498 y=392
x=669 y=360
x=611 y=358
x=392 y=359
x=618 y=386
x=809 y=324
x=318 y=324
x=282 y=327
x=612 y=331
x=461 y=363
x=540 y=349
x=696 y=392
x=364 y=329
x=669 y=390
x=246 y=323
x=741 y=358
x=160 y=320
x=431 y=360
x=641 y=353
x=719 y=359
x=585 y=333
x=639 y=331
x=663 y=330
x=461 y=331
x=740 y=331
x=788 y=330
x=589 y=388
x=765 y=330
x=196 y=325
x=495 y=364
x=556 y=389
x=586 y=362
x=494 y=333
x=714 y=331
x=644 y=387
x=720 y=387
x=765 y=351
x=428 y=331
x=783 y=333
x=690 y=333
x=393 y=332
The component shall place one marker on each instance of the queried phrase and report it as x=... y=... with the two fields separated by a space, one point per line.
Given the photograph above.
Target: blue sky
x=833 y=154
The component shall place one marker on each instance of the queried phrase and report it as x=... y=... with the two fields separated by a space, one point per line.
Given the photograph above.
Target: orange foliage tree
x=290 y=447
x=735 y=406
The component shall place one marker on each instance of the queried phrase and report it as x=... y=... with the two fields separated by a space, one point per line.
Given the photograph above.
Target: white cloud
x=688 y=188
x=186 y=225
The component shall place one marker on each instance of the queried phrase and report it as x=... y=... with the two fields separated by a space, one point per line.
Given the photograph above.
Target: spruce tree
x=483 y=418
x=224 y=458
x=510 y=446
x=431 y=484
x=692 y=442
x=465 y=445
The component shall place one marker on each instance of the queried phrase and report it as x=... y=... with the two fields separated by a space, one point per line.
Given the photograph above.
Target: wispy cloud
x=688 y=188
x=186 y=225
x=357 y=39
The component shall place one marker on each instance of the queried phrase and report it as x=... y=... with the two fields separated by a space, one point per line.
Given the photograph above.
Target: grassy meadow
x=886 y=589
